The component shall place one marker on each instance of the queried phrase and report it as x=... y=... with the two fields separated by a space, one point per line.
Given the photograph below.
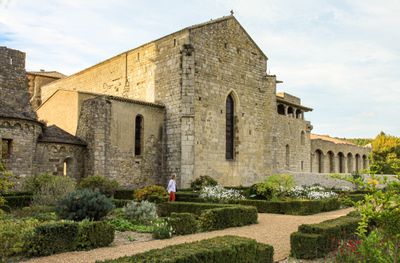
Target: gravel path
x=272 y=229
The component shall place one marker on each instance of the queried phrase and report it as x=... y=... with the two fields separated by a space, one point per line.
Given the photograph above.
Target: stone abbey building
x=195 y=102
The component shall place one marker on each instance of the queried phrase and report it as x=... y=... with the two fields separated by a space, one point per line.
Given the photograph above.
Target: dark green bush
x=84 y=204
x=124 y=194
x=203 y=181
x=293 y=207
x=103 y=184
x=5 y=208
x=317 y=240
x=52 y=238
x=42 y=213
x=189 y=197
x=17 y=193
x=93 y=234
x=18 y=201
x=231 y=249
x=184 y=223
x=165 y=209
x=220 y=218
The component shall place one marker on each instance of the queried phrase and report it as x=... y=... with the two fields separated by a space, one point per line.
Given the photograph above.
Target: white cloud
x=341 y=57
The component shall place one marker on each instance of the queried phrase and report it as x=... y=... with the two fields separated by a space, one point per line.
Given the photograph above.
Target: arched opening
x=290 y=112
x=358 y=159
x=303 y=138
x=365 y=162
x=68 y=167
x=230 y=128
x=331 y=157
x=341 y=162
x=349 y=163
x=299 y=114
x=319 y=158
x=138 y=135
x=287 y=156
x=281 y=109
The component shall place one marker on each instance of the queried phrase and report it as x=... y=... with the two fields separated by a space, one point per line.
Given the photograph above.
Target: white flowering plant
x=220 y=194
x=162 y=229
x=313 y=192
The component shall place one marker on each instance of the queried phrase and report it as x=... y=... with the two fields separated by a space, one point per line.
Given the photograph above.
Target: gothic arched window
x=230 y=128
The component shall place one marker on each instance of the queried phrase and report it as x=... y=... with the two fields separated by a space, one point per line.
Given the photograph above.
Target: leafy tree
x=385 y=157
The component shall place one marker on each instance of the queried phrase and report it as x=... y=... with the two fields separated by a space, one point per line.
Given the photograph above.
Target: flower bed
x=219 y=249
x=317 y=240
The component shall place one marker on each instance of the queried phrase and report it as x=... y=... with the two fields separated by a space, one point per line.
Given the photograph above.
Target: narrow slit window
x=230 y=128
x=139 y=135
x=6 y=149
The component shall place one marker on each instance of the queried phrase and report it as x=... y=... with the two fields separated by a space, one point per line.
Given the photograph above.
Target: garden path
x=272 y=229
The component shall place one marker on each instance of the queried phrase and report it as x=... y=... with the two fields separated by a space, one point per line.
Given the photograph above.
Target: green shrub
x=183 y=223
x=12 y=236
x=151 y=190
x=6 y=182
x=143 y=212
x=189 y=197
x=103 y=184
x=122 y=224
x=219 y=249
x=203 y=181
x=52 y=238
x=220 y=218
x=84 y=204
x=18 y=201
x=53 y=190
x=119 y=203
x=162 y=229
x=124 y=194
x=293 y=207
x=93 y=234
x=274 y=186
x=165 y=209
x=42 y=213
x=317 y=240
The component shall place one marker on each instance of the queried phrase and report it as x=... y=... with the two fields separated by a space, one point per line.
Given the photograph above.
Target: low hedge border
x=165 y=209
x=219 y=249
x=124 y=194
x=184 y=223
x=18 y=201
x=63 y=236
x=295 y=207
x=317 y=240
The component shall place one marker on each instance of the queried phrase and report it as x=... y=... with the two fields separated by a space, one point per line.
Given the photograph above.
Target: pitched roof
x=329 y=139
x=9 y=112
x=57 y=135
x=51 y=74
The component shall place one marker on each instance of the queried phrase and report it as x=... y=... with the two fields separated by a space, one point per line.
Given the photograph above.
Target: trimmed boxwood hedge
x=62 y=236
x=165 y=209
x=189 y=197
x=184 y=223
x=294 y=207
x=18 y=201
x=220 y=218
x=52 y=238
x=231 y=249
x=317 y=240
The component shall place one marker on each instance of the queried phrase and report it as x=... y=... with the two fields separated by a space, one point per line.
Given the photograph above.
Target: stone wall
x=108 y=126
x=13 y=81
x=60 y=159
x=329 y=157
x=23 y=135
x=35 y=83
x=226 y=61
x=291 y=151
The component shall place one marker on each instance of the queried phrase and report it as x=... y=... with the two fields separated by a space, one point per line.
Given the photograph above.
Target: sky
x=342 y=58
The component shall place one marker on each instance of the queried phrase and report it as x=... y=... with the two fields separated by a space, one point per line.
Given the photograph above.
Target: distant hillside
x=358 y=141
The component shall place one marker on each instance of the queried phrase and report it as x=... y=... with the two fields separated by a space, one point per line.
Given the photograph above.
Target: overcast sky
x=341 y=57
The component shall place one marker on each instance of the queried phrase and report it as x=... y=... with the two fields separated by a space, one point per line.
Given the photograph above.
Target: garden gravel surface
x=272 y=229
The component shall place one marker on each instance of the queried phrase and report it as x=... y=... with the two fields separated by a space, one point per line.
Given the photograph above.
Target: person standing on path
x=172 y=188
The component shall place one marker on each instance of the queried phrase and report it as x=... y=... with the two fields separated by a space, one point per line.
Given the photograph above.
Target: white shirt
x=171 y=186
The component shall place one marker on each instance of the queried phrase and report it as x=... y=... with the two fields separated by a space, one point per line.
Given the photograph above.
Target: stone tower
x=13 y=82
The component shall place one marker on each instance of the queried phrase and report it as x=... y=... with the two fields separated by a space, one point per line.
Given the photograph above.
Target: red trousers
x=172 y=196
